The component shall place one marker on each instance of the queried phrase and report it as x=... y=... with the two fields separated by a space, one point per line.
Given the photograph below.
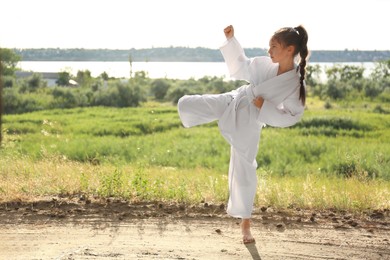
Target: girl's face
x=278 y=52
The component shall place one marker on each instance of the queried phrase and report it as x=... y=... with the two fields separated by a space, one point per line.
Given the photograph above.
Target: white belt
x=245 y=97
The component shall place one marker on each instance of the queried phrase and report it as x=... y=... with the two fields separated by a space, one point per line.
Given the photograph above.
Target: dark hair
x=296 y=37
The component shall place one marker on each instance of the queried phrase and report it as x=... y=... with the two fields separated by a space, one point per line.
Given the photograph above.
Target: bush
x=63 y=78
x=355 y=168
x=84 y=77
x=160 y=88
x=327 y=105
x=12 y=101
x=16 y=103
x=385 y=96
x=313 y=75
x=335 y=89
x=8 y=81
x=336 y=123
x=63 y=98
x=378 y=109
x=372 y=90
x=348 y=82
x=177 y=93
x=381 y=70
x=119 y=94
x=33 y=83
x=346 y=169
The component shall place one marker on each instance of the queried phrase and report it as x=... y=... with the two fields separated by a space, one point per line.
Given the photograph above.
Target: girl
x=274 y=96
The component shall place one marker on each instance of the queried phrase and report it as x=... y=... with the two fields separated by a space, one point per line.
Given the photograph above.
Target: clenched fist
x=258 y=102
x=229 y=32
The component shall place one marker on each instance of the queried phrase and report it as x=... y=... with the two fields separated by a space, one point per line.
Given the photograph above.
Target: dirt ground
x=82 y=228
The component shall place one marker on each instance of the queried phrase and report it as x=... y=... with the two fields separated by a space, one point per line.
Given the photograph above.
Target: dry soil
x=83 y=228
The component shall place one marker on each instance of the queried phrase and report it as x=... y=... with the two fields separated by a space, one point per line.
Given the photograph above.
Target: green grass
x=333 y=158
x=24 y=179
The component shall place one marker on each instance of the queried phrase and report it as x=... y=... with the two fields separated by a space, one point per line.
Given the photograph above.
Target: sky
x=139 y=24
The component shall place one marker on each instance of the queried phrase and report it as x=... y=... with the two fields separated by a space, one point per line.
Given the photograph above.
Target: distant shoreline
x=183 y=54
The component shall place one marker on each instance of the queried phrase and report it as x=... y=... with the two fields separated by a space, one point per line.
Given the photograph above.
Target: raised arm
x=233 y=53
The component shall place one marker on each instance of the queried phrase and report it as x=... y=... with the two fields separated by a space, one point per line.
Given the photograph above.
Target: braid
x=303 y=53
x=296 y=37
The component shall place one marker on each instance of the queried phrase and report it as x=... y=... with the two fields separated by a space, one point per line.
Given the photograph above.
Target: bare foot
x=247 y=237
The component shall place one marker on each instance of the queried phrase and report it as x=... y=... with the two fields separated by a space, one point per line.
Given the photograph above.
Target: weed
x=111 y=185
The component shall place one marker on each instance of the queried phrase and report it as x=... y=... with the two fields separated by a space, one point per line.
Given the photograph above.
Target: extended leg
x=201 y=109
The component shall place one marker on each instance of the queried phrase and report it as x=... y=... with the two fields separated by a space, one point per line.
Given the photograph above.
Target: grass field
x=334 y=158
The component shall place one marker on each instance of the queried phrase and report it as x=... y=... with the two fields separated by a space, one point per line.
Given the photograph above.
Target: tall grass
x=333 y=158
x=24 y=179
x=327 y=141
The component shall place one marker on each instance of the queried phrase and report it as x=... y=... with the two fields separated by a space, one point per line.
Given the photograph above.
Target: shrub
x=160 y=88
x=335 y=89
x=378 y=109
x=15 y=103
x=83 y=77
x=8 y=81
x=63 y=78
x=177 y=93
x=120 y=94
x=63 y=98
x=32 y=83
x=12 y=101
x=327 y=105
x=372 y=90
x=353 y=168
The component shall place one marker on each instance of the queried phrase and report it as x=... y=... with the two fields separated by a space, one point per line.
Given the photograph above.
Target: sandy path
x=68 y=230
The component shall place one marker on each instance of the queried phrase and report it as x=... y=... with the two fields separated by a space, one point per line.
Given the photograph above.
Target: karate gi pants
x=200 y=109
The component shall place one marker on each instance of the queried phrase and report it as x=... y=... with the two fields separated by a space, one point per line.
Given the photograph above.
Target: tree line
x=184 y=54
x=344 y=83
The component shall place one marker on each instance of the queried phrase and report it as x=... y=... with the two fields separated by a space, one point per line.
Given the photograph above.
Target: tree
x=84 y=77
x=33 y=83
x=131 y=65
x=381 y=70
x=313 y=73
x=104 y=76
x=160 y=88
x=63 y=78
x=345 y=73
x=9 y=60
x=380 y=80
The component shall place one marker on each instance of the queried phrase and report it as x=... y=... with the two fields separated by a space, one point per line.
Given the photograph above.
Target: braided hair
x=296 y=37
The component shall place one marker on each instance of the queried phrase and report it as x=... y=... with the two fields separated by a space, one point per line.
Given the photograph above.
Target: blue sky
x=125 y=24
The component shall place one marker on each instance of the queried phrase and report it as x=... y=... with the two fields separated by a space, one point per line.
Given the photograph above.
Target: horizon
x=144 y=24
x=156 y=47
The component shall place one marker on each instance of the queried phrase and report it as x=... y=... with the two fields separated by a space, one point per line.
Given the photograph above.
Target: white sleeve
x=286 y=114
x=236 y=61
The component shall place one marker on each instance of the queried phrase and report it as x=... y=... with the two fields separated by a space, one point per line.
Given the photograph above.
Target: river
x=172 y=70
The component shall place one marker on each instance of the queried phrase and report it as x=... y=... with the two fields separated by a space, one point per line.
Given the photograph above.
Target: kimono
x=240 y=121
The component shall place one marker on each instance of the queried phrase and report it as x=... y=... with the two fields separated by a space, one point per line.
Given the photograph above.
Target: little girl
x=275 y=96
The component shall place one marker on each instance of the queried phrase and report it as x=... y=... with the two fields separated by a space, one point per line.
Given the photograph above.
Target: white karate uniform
x=240 y=121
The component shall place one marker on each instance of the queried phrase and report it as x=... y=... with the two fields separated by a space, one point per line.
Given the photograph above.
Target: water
x=172 y=70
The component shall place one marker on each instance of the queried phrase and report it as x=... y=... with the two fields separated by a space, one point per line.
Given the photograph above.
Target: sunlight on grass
x=24 y=179
x=334 y=158
x=320 y=192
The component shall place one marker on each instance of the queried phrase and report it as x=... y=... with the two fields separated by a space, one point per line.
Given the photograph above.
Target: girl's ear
x=290 y=49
